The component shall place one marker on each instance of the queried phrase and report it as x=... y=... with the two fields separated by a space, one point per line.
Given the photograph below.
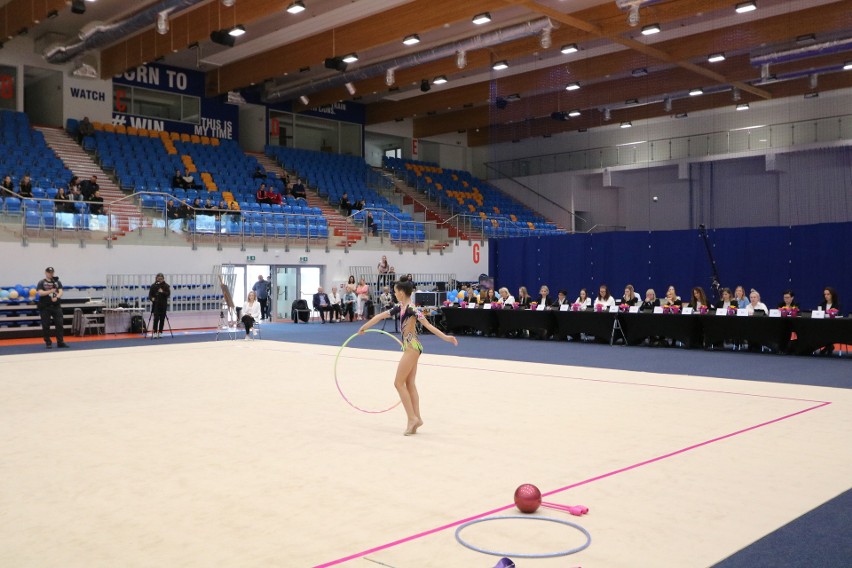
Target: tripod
x=168 y=323
x=716 y=286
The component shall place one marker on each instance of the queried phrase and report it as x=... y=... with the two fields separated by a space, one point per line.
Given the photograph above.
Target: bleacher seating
x=24 y=151
x=332 y=175
x=145 y=162
x=463 y=194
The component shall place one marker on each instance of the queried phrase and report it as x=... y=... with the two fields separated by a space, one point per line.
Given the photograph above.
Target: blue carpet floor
x=822 y=538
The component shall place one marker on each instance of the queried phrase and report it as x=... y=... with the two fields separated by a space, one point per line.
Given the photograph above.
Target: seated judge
x=788 y=300
x=755 y=304
x=321 y=303
x=629 y=298
x=651 y=301
x=740 y=297
x=584 y=300
x=604 y=299
x=671 y=299
x=830 y=302
x=544 y=297
x=561 y=300
x=728 y=300
x=505 y=298
x=699 y=299
x=486 y=297
x=523 y=298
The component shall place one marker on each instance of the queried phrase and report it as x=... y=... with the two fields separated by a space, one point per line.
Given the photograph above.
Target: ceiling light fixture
x=696 y=92
x=500 y=65
x=847 y=66
x=631 y=102
x=163 y=23
x=350 y=88
x=572 y=86
x=570 y=48
x=745 y=7
x=627 y=124
x=225 y=3
x=640 y=72
x=480 y=19
x=573 y=113
x=651 y=29
x=304 y=100
x=681 y=115
x=296 y=7
x=350 y=58
x=440 y=80
x=412 y=39
x=811 y=95
x=715 y=57
x=222 y=37
x=237 y=31
x=805 y=39
x=742 y=106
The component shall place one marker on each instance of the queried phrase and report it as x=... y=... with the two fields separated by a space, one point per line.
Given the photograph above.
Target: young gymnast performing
x=411 y=350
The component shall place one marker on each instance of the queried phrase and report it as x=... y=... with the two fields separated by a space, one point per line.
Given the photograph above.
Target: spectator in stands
x=629 y=298
x=184 y=212
x=544 y=297
x=350 y=300
x=261 y=289
x=382 y=268
x=273 y=196
x=345 y=204
x=699 y=299
x=89 y=187
x=671 y=299
x=251 y=314
x=26 y=187
x=159 y=295
x=177 y=181
x=62 y=201
x=371 y=225
x=258 y=173
x=172 y=210
x=234 y=210
x=524 y=300
x=322 y=303
x=96 y=205
x=261 y=196
x=728 y=299
x=73 y=184
x=334 y=302
x=189 y=181
x=197 y=207
x=7 y=185
x=359 y=205
x=651 y=301
x=386 y=299
x=298 y=190
x=84 y=128
x=505 y=298
x=221 y=208
x=755 y=304
x=75 y=195
x=584 y=300
x=740 y=297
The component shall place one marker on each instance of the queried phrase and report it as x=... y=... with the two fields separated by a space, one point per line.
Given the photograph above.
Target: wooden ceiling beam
x=358 y=36
x=19 y=15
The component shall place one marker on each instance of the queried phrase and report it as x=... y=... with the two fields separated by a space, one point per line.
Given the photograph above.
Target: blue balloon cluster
x=452 y=296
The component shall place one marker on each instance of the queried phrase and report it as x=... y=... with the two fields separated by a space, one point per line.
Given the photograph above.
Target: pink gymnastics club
x=576 y=510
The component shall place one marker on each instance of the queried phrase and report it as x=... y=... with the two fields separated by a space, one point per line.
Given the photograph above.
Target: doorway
x=290 y=283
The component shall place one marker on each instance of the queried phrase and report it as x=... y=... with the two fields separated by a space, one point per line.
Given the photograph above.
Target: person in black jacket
x=49 y=291
x=321 y=303
x=159 y=295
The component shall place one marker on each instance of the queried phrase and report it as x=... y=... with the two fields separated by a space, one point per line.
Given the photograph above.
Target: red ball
x=527 y=498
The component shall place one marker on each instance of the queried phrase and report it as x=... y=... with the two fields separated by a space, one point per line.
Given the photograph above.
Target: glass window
x=167 y=106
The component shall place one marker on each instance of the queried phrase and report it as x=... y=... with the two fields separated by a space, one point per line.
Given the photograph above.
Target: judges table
x=691 y=330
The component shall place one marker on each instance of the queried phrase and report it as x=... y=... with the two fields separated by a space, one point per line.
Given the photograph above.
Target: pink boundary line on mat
x=567 y=487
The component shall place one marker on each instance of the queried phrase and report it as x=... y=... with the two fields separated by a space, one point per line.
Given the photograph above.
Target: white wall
x=91 y=264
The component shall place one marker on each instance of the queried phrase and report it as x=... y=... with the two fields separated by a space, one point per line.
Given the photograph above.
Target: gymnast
x=411 y=350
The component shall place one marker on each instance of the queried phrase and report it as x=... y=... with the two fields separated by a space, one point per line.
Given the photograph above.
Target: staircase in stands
x=83 y=165
x=435 y=212
x=338 y=225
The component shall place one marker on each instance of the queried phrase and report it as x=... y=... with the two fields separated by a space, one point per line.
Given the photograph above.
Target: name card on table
x=775 y=313
x=633 y=309
x=486 y=306
x=471 y=305
x=613 y=309
x=564 y=308
x=721 y=311
x=658 y=309
x=687 y=311
x=540 y=308
x=818 y=314
x=742 y=312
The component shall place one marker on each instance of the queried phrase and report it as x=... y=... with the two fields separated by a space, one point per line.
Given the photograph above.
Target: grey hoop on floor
x=516 y=555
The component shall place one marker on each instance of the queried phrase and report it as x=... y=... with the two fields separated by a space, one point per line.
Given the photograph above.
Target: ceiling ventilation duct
x=99 y=34
x=795 y=54
x=480 y=41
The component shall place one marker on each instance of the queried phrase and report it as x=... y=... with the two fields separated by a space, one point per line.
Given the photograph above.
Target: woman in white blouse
x=334 y=302
x=583 y=299
x=604 y=299
x=505 y=297
x=755 y=303
x=251 y=314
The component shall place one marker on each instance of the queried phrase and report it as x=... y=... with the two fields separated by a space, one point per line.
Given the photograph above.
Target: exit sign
x=303 y=259
x=249 y=258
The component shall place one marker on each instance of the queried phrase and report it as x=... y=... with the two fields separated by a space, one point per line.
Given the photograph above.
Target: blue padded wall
x=769 y=259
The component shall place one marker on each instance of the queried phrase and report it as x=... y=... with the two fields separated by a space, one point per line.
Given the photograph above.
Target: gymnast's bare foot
x=417 y=425
x=412 y=427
